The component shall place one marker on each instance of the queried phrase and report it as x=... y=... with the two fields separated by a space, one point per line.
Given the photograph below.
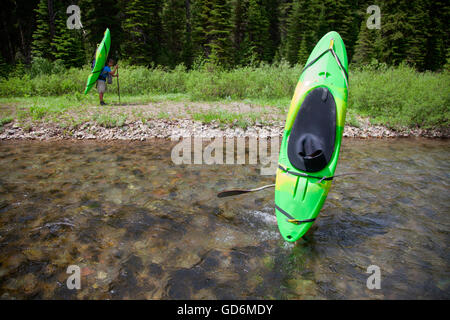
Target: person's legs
x=101 y=87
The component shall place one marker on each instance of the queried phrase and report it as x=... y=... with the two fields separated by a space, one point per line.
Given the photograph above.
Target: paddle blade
x=229 y=193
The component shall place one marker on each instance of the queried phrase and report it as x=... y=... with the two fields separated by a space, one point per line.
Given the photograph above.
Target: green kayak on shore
x=100 y=60
x=312 y=138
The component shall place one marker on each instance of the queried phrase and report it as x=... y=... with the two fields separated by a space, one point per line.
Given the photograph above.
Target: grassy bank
x=395 y=97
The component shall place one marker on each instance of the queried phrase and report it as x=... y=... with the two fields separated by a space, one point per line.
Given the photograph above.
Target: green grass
x=351 y=119
x=37 y=108
x=396 y=97
x=163 y=115
x=223 y=117
x=108 y=120
x=5 y=120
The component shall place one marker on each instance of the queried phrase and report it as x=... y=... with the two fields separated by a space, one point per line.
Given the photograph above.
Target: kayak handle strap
x=291 y=219
x=325 y=178
x=304 y=175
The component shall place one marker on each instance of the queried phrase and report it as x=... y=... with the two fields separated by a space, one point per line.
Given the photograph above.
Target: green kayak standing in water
x=312 y=138
x=100 y=59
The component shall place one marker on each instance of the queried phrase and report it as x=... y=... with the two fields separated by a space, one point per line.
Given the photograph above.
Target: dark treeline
x=225 y=32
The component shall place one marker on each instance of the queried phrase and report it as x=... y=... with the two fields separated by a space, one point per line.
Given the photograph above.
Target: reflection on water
x=139 y=226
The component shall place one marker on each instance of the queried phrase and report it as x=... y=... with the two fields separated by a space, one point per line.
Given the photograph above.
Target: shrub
x=396 y=96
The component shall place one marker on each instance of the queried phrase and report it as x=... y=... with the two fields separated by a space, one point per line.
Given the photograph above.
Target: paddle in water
x=235 y=192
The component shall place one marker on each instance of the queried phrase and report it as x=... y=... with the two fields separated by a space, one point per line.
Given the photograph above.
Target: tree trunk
x=10 y=47
x=188 y=16
x=25 y=52
x=51 y=17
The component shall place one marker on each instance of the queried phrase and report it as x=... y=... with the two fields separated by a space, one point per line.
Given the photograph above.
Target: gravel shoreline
x=166 y=129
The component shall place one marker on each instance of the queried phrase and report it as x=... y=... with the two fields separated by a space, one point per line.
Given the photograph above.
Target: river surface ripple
x=141 y=227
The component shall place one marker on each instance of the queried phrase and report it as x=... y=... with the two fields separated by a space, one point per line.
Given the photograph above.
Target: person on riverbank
x=104 y=74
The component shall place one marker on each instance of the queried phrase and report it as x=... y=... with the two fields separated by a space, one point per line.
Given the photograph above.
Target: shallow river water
x=139 y=226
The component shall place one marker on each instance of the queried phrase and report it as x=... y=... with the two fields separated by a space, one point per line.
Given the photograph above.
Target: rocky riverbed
x=163 y=128
x=139 y=226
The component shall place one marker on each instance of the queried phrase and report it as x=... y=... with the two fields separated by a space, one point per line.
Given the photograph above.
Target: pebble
x=101 y=275
x=166 y=129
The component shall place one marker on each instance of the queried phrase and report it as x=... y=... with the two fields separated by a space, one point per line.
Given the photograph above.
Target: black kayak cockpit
x=311 y=142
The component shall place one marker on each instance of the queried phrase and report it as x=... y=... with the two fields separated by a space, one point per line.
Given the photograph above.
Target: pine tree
x=52 y=39
x=220 y=44
x=188 y=51
x=417 y=42
x=438 y=40
x=395 y=28
x=339 y=18
x=365 y=46
x=67 y=44
x=412 y=32
x=174 y=26
x=284 y=13
x=96 y=16
x=321 y=26
x=239 y=20
x=23 y=18
x=201 y=27
x=45 y=30
x=285 y=9
x=358 y=10
x=447 y=61
x=298 y=30
x=257 y=31
x=4 y=68
x=228 y=32
x=142 y=27
x=272 y=12
x=303 y=52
